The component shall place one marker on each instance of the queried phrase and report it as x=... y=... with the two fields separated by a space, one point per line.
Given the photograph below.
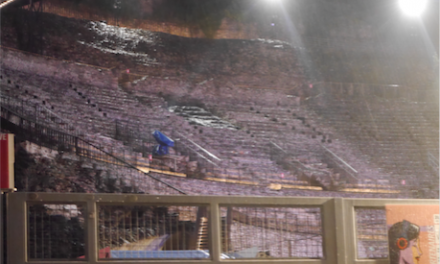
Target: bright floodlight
x=412 y=7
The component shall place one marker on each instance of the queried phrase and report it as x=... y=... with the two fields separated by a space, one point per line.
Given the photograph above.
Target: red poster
x=6 y=161
x=413 y=234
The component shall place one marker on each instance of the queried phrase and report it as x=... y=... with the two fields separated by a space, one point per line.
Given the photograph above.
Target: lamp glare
x=412 y=8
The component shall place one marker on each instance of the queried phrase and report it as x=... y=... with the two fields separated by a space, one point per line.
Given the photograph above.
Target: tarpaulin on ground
x=160 y=150
x=162 y=254
x=162 y=139
x=164 y=143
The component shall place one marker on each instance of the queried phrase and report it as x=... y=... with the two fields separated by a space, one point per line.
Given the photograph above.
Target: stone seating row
x=204 y=135
x=91 y=119
x=386 y=126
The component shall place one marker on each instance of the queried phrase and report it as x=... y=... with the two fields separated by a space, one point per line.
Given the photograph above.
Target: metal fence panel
x=109 y=228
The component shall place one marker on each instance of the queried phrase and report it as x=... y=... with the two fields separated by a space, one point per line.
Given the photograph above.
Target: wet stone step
x=199 y=116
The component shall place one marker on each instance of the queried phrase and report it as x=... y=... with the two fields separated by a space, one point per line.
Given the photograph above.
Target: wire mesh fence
x=55 y=232
x=265 y=232
x=153 y=232
x=47 y=136
x=63 y=227
x=371 y=233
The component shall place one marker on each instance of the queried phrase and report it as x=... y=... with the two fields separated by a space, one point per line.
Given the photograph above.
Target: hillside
x=159 y=54
x=366 y=56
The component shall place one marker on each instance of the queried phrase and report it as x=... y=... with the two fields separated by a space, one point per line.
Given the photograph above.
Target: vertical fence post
x=335 y=231
x=17 y=228
x=36 y=112
x=290 y=248
x=329 y=231
x=2 y=228
x=116 y=130
x=215 y=231
x=92 y=232
x=76 y=146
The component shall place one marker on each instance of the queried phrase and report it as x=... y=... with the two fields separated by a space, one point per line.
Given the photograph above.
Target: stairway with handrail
x=41 y=133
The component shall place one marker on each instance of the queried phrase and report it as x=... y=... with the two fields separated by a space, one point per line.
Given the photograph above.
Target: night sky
x=382 y=18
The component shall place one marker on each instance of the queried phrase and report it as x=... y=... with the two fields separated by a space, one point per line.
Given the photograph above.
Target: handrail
x=405 y=91
x=12 y=101
x=341 y=160
x=7 y=99
x=351 y=83
x=303 y=167
x=198 y=146
x=78 y=139
x=432 y=161
x=278 y=147
x=31 y=109
x=372 y=118
x=432 y=158
x=198 y=154
x=341 y=163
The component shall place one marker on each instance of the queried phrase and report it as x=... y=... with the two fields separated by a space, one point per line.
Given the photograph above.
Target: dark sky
x=384 y=17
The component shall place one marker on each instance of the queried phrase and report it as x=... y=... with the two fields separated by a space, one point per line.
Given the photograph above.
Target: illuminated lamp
x=413 y=8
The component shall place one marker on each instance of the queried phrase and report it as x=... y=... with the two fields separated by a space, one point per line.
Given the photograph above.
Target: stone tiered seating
x=393 y=135
x=96 y=108
x=50 y=100
x=275 y=124
x=89 y=104
x=368 y=137
x=419 y=123
x=241 y=156
x=357 y=134
x=206 y=187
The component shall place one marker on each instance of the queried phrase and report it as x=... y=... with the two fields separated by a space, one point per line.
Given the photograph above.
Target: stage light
x=412 y=7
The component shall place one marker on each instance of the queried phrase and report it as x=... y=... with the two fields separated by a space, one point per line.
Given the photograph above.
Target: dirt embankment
x=176 y=61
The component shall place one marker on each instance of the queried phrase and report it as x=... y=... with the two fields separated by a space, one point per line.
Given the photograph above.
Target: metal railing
x=37 y=113
x=50 y=137
x=365 y=90
x=112 y=228
x=349 y=172
x=280 y=155
x=44 y=117
x=206 y=161
x=433 y=162
x=277 y=153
